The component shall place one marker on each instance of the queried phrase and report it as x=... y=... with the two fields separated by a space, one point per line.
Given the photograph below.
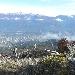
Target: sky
x=43 y=7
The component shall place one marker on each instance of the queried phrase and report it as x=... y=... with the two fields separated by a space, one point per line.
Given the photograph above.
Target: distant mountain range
x=38 y=24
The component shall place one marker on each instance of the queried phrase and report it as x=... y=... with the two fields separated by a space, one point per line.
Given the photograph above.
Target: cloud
x=50 y=36
x=67 y=8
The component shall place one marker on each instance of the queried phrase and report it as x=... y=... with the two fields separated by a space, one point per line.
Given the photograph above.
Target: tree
x=63 y=45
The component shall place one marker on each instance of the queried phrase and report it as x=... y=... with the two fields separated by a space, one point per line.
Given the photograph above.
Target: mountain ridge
x=35 y=23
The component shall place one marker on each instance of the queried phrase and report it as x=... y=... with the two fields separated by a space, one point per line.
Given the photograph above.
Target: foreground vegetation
x=40 y=62
x=45 y=65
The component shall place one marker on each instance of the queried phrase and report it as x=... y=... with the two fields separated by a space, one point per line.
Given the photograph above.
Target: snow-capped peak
x=40 y=19
x=58 y=19
x=16 y=18
x=71 y=16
